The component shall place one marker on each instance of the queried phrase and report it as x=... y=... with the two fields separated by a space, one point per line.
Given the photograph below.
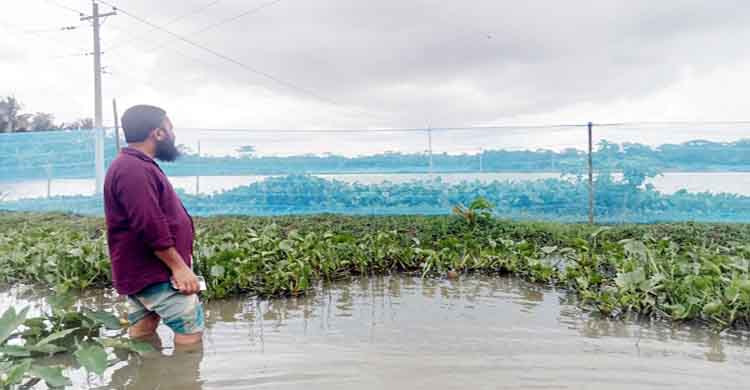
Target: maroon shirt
x=143 y=215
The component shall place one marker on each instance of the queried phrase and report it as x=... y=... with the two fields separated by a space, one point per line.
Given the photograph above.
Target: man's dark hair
x=139 y=121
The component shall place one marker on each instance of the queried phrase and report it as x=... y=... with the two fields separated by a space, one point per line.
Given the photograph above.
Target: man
x=150 y=234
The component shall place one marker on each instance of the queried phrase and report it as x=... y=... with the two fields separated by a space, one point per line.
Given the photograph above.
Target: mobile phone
x=201 y=283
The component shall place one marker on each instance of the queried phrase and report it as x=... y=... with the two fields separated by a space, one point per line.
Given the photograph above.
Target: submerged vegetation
x=683 y=271
x=63 y=330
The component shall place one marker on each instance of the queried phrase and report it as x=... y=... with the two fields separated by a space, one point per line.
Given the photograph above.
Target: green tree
x=43 y=121
x=10 y=109
x=84 y=123
x=246 y=151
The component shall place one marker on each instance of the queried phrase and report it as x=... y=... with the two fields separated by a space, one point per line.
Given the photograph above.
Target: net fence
x=642 y=172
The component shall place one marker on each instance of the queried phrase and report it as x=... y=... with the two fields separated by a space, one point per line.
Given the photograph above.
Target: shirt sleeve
x=138 y=192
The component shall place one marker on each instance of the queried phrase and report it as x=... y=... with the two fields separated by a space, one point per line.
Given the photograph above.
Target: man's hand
x=185 y=280
x=183 y=277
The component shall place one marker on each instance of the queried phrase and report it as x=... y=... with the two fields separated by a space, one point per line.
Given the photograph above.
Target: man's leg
x=143 y=322
x=144 y=328
x=182 y=313
x=188 y=339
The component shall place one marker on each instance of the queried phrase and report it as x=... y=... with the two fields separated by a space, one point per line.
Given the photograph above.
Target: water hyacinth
x=679 y=271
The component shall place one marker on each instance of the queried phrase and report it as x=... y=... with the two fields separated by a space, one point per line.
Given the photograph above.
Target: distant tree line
x=13 y=120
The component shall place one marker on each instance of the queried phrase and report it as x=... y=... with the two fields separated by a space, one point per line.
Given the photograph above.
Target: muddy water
x=407 y=333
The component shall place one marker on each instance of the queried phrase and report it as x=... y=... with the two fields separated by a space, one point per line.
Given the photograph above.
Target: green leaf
x=76 y=252
x=141 y=347
x=712 y=307
x=678 y=311
x=599 y=231
x=630 y=280
x=55 y=336
x=744 y=285
x=635 y=248
x=285 y=245
x=481 y=203
x=109 y=320
x=10 y=321
x=48 y=349
x=549 y=249
x=217 y=271
x=61 y=301
x=731 y=293
x=16 y=373
x=138 y=347
x=113 y=343
x=14 y=351
x=93 y=358
x=52 y=375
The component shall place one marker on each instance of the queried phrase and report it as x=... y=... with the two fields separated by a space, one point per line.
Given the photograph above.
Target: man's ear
x=158 y=135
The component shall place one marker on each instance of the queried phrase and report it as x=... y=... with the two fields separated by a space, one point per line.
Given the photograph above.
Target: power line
x=225 y=57
x=52 y=30
x=446 y=129
x=48 y=37
x=218 y=24
x=65 y=7
x=112 y=48
x=470 y=128
x=70 y=56
x=222 y=22
x=170 y=22
x=673 y=123
x=383 y=130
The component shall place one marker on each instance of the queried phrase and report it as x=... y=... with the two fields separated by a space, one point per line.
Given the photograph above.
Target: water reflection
x=406 y=332
x=174 y=368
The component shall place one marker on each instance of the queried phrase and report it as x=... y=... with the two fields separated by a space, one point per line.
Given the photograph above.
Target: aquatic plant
x=27 y=343
x=686 y=271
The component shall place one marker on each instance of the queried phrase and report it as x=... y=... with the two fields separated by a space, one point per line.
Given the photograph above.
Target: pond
x=404 y=332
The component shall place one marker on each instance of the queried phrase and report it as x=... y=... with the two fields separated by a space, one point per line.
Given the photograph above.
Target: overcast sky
x=387 y=63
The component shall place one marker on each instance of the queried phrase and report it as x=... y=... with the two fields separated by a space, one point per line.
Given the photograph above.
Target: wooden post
x=591 y=177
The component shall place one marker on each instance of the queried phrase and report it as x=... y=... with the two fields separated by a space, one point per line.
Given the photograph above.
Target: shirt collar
x=137 y=153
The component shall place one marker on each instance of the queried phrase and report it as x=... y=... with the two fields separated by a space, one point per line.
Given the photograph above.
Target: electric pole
x=98 y=127
x=117 y=126
x=591 y=177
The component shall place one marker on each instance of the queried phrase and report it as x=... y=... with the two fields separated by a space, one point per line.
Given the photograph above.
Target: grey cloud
x=459 y=62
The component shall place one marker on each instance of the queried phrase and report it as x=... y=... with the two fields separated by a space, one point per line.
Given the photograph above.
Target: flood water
x=402 y=332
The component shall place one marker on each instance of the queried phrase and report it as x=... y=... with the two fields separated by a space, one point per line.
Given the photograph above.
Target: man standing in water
x=150 y=234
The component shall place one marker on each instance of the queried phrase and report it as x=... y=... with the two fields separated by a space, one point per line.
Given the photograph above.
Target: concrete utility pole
x=117 y=127
x=591 y=176
x=98 y=127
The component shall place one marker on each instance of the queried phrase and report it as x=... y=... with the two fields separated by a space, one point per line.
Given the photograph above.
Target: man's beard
x=166 y=150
